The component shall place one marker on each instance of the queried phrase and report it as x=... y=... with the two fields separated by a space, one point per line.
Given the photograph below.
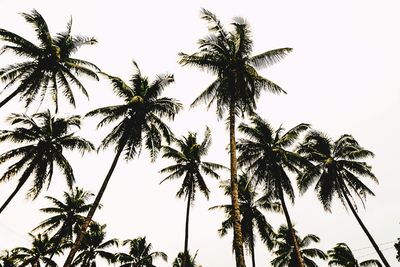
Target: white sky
x=343 y=77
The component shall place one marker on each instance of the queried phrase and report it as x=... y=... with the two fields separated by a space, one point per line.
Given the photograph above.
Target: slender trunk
x=237 y=228
x=21 y=182
x=383 y=259
x=88 y=218
x=297 y=253
x=11 y=96
x=185 y=251
x=253 y=257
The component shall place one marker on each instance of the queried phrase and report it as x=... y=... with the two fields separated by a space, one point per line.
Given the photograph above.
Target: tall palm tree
x=140 y=254
x=42 y=246
x=337 y=170
x=140 y=122
x=341 y=255
x=251 y=215
x=190 y=166
x=50 y=65
x=285 y=253
x=227 y=54
x=179 y=260
x=94 y=246
x=67 y=215
x=265 y=154
x=46 y=138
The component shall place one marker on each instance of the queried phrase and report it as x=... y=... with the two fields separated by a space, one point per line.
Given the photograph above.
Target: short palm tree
x=190 y=166
x=50 y=65
x=286 y=254
x=67 y=215
x=42 y=247
x=341 y=255
x=251 y=216
x=227 y=54
x=337 y=171
x=264 y=152
x=95 y=246
x=140 y=123
x=46 y=137
x=179 y=261
x=139 y=255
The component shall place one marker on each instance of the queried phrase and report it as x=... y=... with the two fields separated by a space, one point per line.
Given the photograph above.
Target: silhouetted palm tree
x=397 y=247
x=190 y=166
x=338 y=168
x=42 y=246
x=68 y=215
x=286 y=254
x=251 y=215
x=227 y=54
x=178 y=262
x=140 y=122
x=50 y=66
x=46 y=137
x=265 y=154
x=139 y=255
x=94 y=246
x=341 y=255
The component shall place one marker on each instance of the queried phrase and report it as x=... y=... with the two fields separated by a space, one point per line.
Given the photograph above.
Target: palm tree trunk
x=297 y=253
x=371 y=239
x=253 y=257
x=185 y=251
x=88 y=218
x=237 y=228
x=11 y=96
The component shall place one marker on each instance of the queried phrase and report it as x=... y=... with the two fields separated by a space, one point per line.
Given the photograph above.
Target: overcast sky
x=342 y=77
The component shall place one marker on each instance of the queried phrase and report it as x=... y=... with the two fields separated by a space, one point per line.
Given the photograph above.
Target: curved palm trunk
x=89 y=217
x=11 y=96
x=185 y=251
x=371 y=239
x=299 y=258
x=237 y=228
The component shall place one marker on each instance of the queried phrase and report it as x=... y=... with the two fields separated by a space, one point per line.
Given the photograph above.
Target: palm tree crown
x=94 y=245
x=50 y=65
x=46 y=137
x=140 y=254
x=285 y=253
x=251 y=215
x=341 y=255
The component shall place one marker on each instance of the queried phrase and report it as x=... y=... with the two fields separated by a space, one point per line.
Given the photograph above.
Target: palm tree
x=179 y=260
x=50 y=65
x=252 y=217
x=265 y=154
x=397 y=247
x=341 y=255
x=7 y=258
x=140 y=122
x=68 y=215
x=189 y=164
x=227 y=54
x=286 y=254
x=42 y=246
x=46 y=137
x=338 y=166
x=94 y=246
x=140 y=254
